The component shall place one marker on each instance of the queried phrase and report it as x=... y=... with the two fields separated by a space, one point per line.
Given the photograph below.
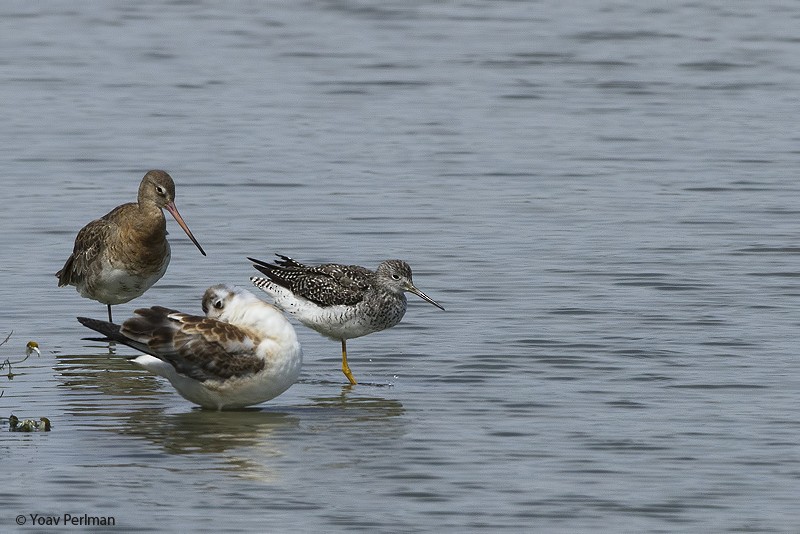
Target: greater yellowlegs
x=120 y=256
x=339 y=301
x=243 y=352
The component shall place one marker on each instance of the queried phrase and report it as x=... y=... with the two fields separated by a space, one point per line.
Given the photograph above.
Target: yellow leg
x=345 y=367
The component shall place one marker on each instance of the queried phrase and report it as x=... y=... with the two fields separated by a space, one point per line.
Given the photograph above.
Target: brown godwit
x=121 y=255
x=340 y=301
x=243 y=352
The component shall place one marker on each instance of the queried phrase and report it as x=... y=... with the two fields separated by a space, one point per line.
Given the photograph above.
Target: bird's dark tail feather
x=286 y=261
x=110 y=330
x=112 y=333
x=64 y=275
x=265 y=268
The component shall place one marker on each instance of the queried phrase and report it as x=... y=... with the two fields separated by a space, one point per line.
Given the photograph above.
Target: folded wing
x=326 y=285
x=198 y=347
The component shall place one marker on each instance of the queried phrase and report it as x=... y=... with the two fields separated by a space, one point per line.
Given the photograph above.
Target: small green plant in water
x=30 y=348
x=15 y=424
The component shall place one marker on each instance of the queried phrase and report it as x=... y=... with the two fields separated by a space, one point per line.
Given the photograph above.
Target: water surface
x=603 y=196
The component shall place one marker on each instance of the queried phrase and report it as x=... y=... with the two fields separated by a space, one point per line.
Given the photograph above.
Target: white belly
x=336 y=322
x=113 y=285
x=233 y=392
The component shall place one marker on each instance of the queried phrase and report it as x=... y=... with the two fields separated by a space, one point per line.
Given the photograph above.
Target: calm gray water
x=604 y=196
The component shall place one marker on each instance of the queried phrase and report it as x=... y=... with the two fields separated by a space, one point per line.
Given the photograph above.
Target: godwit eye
x=160 y=190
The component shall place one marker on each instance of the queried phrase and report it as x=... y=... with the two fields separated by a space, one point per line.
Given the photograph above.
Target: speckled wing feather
x=286 y=261
x=89 y=243
x=198 y=347
x=326 y=285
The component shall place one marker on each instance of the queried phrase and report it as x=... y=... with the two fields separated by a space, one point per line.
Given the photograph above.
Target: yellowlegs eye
x=395 y=277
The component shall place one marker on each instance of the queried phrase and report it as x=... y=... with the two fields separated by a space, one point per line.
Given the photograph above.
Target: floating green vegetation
x=30 y=348
x=16 y=424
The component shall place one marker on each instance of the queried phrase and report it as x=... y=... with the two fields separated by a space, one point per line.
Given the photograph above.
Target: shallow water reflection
x=602 y=195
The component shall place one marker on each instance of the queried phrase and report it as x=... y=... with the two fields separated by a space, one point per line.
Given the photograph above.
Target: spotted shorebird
x=339 y=301
x=243 y=352
x=121 y=255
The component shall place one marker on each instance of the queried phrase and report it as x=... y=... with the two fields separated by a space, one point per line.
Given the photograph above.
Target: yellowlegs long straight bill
x=340 y=301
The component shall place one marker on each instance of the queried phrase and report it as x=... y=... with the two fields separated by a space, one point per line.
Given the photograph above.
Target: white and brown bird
x=243 y=352
x=121 y=255
x=340 y=301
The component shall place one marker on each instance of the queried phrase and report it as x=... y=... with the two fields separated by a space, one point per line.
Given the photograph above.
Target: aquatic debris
x=28 y=425
x=30 y=348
